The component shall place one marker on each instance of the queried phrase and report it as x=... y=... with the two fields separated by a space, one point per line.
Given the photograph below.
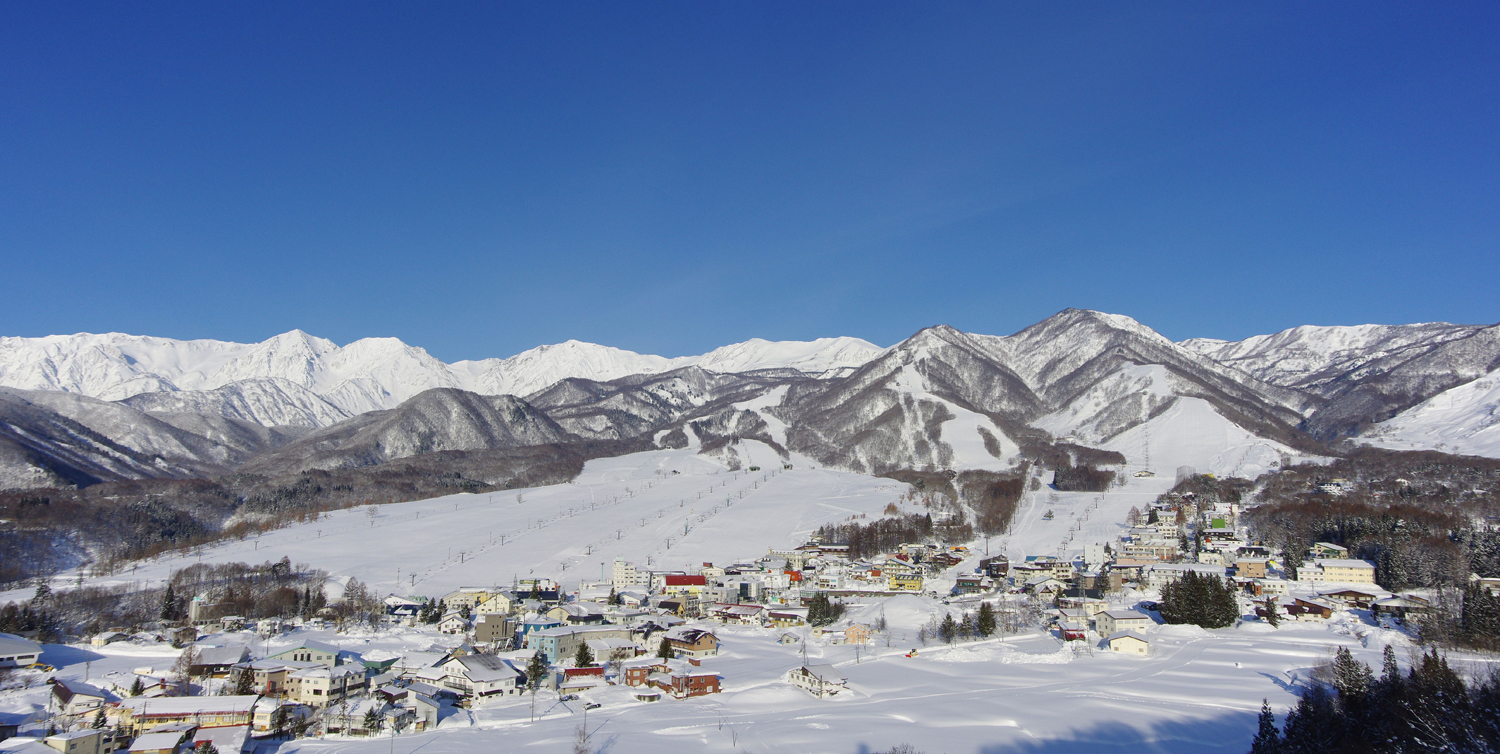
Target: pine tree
x=137 y=687
x=1351 y=677
x=244 y=684
x=169 y=608
x=205 y=747
x=985 y=623
x=948 y=629
x=1273 y=617
x=584 y=657
x=1390 y=672
x=99 y=721
x=1479 y=619
x=1291 y=557
x=664 y=649
x=536 y=670
x=372 y=719
x=1267 y=738
x=966 y=626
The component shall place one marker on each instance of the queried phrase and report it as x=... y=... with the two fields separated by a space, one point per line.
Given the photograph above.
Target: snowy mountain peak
x=815 y=356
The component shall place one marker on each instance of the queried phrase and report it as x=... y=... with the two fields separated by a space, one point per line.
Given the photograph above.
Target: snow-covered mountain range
x=83 y=408
x=366 y=375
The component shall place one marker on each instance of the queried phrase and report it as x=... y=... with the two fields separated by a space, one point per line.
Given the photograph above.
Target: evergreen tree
x=1351 y=677
x=283 y=713
x=1207 y=601
x=664 y=649
x=244 y=684
x=169 y=607
x=536 y=671
x=966 y=626
x=137 y=687
x=948 y=629
x=205 y=747
x=1152 y=518
x=372 y=719
x=1390 y=672
x=1267 y=738
x=1479 y=619
x=1292 y=553
x=985 y=623
x=99 y=721
x=1273 y=616
x=584 y=657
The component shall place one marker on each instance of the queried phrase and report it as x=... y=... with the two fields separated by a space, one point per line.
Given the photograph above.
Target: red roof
x=672 y=580
x=796 y=575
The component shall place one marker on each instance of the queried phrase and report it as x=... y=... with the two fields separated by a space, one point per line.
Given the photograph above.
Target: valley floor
x=1198 y=690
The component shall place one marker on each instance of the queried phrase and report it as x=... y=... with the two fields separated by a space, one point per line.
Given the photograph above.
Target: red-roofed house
x=683 y=584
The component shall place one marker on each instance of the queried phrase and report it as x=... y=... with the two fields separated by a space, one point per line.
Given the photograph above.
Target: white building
x=1338 y=571
x=1111 y=622
x=818 y=680
x=16 y=652
x=1129 y=642
x=625 y=576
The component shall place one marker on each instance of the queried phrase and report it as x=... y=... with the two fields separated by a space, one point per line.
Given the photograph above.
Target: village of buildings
x=644 y=636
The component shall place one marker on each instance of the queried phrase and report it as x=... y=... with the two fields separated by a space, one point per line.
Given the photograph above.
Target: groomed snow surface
x=1198 y=691
x=1463 y=420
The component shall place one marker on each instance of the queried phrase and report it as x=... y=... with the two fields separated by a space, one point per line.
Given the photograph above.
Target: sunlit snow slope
x=632 y=507
x=1464 y=420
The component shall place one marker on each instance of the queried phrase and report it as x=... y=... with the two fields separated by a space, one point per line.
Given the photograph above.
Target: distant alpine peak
x=370 y=373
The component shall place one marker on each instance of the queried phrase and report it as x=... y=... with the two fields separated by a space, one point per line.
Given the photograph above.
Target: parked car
x=592 y=705
x=568 y=698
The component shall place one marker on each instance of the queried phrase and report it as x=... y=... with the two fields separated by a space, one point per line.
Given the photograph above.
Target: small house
x=1129 y=642
x=1111 y=622
x=818 y=680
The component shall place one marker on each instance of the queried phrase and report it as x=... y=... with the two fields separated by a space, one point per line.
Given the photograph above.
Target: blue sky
x=480 y=179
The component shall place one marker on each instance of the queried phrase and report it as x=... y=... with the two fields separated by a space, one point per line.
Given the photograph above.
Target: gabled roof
x=316 y=646
x=222 y=655
x=10 y=644
x=683 y=580
x=487 y=668
x=825 y=673
x=1129 y=635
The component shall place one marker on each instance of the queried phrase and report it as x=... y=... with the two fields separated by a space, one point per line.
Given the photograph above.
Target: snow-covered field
x=1198 y=691
x=1464 y=420
x=633 y=507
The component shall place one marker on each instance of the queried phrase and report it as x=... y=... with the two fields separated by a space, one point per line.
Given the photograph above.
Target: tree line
x=1430 y=708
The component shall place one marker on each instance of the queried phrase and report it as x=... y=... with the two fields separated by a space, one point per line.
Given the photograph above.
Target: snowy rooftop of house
x=1126 y=615
x=316 y=646
x=190 y=705
x=228 y=740
x=156 y=742
x=487 y=668
x=1128 y=635
x=825 y=673
x=10 y=644
x=221 y=655
x=1344 y=563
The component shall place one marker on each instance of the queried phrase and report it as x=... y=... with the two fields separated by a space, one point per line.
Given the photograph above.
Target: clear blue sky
x=480 y=179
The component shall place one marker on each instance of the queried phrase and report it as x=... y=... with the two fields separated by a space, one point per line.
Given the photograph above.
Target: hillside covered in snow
x=83 y=409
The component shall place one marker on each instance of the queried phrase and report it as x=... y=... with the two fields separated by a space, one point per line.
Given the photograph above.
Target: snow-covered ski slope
x=632 y=507
x=676 y=509
x=1463 y=419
